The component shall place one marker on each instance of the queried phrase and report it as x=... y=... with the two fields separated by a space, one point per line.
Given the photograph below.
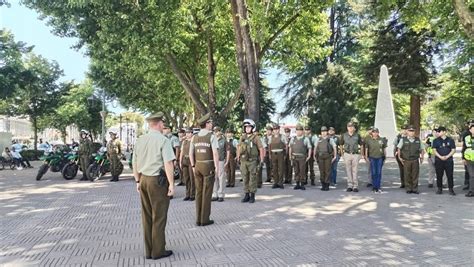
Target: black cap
x=307 y=128
x=182 y=130
x=411 y=128
x=375 y=130
x=332 y=128
x=159 y=116
x=188 y=130
x=404 y=127
x=442 y=128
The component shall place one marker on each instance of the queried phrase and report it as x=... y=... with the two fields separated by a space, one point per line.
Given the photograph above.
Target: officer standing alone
x=84 y=153
x=114 y=152
x=411 y=153
x=205 y=161
x=153 y=172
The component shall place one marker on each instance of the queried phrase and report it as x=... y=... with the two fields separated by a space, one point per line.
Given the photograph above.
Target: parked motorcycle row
x=67 y=162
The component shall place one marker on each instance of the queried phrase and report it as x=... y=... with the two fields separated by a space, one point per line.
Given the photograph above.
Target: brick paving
x=55 y=222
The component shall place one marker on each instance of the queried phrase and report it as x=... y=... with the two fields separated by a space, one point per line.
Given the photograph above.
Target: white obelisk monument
x=384 y=113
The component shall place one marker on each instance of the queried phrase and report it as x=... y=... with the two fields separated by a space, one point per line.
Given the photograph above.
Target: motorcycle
x=54 y=161
x=69 y=170
x=99 y=167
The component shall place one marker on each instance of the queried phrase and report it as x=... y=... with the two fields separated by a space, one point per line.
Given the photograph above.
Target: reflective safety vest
x=469 y=152
x=429 y=149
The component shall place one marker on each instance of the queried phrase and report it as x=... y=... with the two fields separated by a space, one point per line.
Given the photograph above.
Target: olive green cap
x=324 y=129
x=287 y=130
x=156 y=116
x=299 y=127
x=269 y=127
x=204 y=119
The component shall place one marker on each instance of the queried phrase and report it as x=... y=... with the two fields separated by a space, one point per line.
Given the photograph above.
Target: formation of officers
x=207 y=162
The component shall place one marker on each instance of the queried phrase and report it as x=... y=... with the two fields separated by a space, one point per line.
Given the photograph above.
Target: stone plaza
x=55 y=222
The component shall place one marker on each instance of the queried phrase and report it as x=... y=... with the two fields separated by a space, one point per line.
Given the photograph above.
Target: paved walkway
x=55 y=222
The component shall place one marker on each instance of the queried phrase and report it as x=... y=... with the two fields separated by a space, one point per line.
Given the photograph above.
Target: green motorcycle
x=54 y=161
x=99 y=167
x=69 y=170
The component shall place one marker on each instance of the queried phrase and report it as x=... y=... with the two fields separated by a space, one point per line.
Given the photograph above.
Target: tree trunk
x=64 y=135
x=465 y=16
x=35 y=132
x=211 y=74
x=415 y=113
x=247 y=59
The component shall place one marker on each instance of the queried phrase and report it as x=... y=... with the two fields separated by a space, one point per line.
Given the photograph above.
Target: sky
x=26 y=26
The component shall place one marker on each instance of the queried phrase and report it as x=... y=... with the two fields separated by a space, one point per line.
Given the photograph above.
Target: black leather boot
x=252 y=198
x=246 y=198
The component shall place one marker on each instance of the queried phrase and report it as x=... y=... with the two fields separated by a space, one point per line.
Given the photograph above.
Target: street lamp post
x=103 y=112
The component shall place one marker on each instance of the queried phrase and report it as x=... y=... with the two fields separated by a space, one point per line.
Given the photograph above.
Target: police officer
x=288 y=170
x=400 y=136
x=468 y=158
x=186 y=167
x=250 y=153
x=336 y=139
x=411 y=153
x=114 y=152
x=224 y=156
x=153 y=172
x=429 y=150
x=375 y=152
x=84 y=153
x=231 y=145
x=167 y=131
x=313 y=139
x=367 y=138
x=444 y=149
x=325 y=155
x=268 y=164
x=351 y=148
x=300 y=153
x=277 y=147
x=205 y=161
x=466 y=172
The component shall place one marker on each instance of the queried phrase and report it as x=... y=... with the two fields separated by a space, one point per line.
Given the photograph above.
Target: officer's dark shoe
x=312 y=182
x=241 y=180
x=258 y=186
x=286 y=182
x=186 y=199
x=83 y=178
x=166 y=254
x=439 y=191
x=208 y=223
x=252 y=198
x=268 y=181
x=349 y=190
x=469 y=194
x=214 y=199
x=228 y=185
x=355 y=190
x=198 y=224
x=304 y=183
x=409 y=191
x=281 y=186
x=415 y=192
x=302 y=187
x=180 y=184
x=402 y=186
x=246 y=198
x=430 y=185
x=274 y=186
x=451 y=192
x=148 y=257
x=465 y=187
x=369 y=185
x=191 y=199
x=221 y=199
x=445 y=186
x=297 y=186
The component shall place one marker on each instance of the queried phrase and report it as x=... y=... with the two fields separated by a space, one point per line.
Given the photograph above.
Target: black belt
x=352 y=153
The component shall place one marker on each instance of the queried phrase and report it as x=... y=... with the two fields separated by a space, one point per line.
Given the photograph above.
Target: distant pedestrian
x=375 y=152
x=153 y=171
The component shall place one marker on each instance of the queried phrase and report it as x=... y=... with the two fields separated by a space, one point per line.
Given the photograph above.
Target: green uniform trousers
x=116 y=166
x=411 y=171
x=230 y=169
x=84 y=164
x=204 y=177
x=299 y=165
x=278 y=163
x=155 y=203
x=310 y=168
x=288 y=169
x=188 y=179
x=248 y=168
x=324 y=164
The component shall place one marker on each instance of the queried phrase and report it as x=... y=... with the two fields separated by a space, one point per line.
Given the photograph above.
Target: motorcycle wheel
x=69 y=171
x=42 y=170
x=93 y=172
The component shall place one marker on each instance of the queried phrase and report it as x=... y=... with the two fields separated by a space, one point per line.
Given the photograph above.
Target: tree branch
x=269 y=42
x=465 y=17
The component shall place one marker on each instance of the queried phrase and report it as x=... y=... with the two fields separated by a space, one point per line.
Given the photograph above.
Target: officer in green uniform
x=411 y=153
x=288 y=170
x=205 y=161
x=300 y=153
x=114 y=152
x=231 y=145
x=313 y=139
x=153 y=172
x=277 y=147
x=186 y=168
x=325 y=155
x=367 y=138
x=84 y=153
x=400 y=136
x=250 y=153
x=268 y=165
x=468 y=158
